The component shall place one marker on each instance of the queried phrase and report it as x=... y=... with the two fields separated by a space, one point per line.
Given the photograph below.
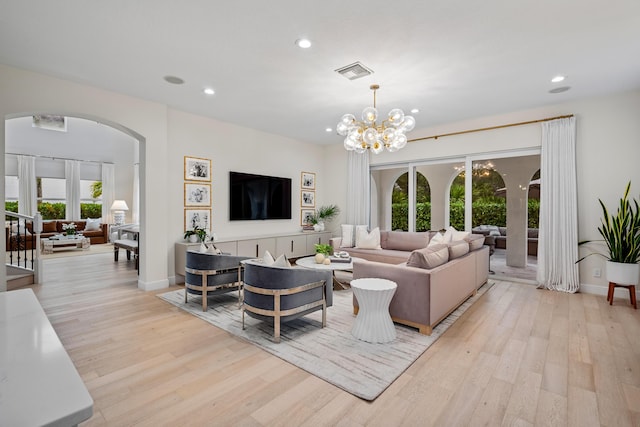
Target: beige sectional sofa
x=432 y=281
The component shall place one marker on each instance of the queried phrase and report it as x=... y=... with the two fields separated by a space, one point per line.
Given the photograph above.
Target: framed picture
x=305 y=216
x=197 y=217
x=308 y=180
x=196 y=194
x=307 y=199
x=197 y=169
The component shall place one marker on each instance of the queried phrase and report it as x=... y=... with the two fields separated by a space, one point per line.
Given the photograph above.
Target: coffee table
x=373 y=322
x=78 y=241
x=310 y=262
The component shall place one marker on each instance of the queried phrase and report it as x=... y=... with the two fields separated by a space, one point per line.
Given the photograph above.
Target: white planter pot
x=193 y=238
x=623 y=273
x=316 y=227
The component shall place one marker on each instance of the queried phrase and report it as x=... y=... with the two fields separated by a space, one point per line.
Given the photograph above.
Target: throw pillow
x=281 y=261
x=448 y=234
x=213 y=250
x=437 y=239
x=366 y=240
x=429 y=257
x=459 y=235
x=268 y=258
x=93 y=224
x=203 y=247
x=347 y=236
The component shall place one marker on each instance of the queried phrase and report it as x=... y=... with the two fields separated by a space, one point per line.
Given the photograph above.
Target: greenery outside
x=487 y=207
x=57 y=210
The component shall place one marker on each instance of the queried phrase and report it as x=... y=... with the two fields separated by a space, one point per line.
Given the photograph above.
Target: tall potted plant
x=325 y=213
x=621 y=234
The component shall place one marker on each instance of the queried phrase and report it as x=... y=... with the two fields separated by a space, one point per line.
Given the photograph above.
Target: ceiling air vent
x=354 y=71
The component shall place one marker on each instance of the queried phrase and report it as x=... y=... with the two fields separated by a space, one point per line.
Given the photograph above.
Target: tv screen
x=254 y=197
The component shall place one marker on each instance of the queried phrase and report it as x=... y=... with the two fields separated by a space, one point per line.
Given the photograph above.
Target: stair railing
x=23 y=242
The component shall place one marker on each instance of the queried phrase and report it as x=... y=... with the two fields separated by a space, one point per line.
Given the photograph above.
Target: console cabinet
x=294 y=245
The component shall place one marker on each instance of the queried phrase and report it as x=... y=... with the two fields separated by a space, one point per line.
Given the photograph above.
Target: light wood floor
x=519 y=356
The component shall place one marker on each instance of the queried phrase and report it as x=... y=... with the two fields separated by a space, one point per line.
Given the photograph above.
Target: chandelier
x=368 y=135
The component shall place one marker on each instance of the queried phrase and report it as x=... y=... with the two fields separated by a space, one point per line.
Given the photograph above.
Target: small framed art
x=197 y=194
x=197 y=217
x=307 y=199
x=308 y=180
x=197 y=169
x=306 y=215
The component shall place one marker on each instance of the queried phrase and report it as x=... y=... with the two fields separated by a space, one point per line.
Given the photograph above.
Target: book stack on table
x=345 y=260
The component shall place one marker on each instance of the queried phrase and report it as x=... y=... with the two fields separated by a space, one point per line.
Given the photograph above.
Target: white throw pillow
x=21 y=227
x=203 y=247
x=366 y=240
x=281 y=261
x=448 y=234
x=460 y=235
x=268 y=258
x=93 y=224
x=437 y=239
x=213 y=250
x=347 y=236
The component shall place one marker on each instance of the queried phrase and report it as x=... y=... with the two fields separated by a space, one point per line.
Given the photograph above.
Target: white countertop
x=39 y=385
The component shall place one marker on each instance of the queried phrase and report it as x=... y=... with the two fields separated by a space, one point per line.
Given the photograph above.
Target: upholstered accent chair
x=281 y=294
x=211 y=274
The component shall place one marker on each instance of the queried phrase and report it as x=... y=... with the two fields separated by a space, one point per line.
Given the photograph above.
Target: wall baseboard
x=153 y=286
x=603 y=290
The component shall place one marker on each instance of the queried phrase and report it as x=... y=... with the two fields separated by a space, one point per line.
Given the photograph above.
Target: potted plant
x=621 y=234
x=322 y=251
x=325 y=213
x=196 y=234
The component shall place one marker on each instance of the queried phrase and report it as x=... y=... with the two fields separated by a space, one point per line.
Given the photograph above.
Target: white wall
x=608 y=152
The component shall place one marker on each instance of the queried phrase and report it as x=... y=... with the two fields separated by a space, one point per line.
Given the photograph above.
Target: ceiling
x=452 y=59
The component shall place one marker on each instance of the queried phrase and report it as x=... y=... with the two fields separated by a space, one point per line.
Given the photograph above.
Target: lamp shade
x=119 y=205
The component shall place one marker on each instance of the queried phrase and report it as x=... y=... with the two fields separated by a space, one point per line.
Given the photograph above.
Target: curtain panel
x=72 y=181
x=358 y=188
x=108 y=191
x=27 y=188
x=558 y=234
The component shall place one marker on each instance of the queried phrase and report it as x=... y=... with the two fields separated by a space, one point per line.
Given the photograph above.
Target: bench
x=131 y=246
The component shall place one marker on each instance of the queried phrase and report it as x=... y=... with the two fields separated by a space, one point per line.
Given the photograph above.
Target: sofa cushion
x=475 y=241
x=404 y=241
x=459 y=235
x=49 y=226
x=457 y=249
x=437 y=239
x=430 y=257
x=366 y=240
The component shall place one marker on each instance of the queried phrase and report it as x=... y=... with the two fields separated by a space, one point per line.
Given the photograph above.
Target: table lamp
x=118 y=207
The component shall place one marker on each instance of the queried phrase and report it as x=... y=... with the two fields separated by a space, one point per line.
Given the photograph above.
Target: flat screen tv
x=253 y=197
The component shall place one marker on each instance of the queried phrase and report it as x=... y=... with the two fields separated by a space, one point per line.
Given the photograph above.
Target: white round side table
x=373 y=322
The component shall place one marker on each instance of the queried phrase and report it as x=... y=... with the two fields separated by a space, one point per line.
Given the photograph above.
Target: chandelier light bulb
x=369 y=135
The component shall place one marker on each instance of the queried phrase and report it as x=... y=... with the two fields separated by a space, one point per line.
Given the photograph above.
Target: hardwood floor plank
x=518 y=356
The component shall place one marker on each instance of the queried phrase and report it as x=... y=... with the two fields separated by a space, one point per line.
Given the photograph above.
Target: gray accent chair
x=211 y=274
x=281 y=294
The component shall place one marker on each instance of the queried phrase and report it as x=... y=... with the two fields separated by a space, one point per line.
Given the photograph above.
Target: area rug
x=331 y=353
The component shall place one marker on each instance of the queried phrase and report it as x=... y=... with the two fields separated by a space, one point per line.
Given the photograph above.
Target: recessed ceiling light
x=328 y=129
x=557 y=79
x=303 y=43
x=173 y=80
x=209 y=91
x=560 y=89
x=415 y=110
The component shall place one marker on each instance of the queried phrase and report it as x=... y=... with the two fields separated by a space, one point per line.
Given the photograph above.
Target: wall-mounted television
x=253 y=197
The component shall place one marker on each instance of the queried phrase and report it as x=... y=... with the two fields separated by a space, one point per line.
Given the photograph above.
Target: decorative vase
x=316 y=227
x=193 y=238
x=327 y=261
x=321 y=224
x=319 y=258
x=623 y=273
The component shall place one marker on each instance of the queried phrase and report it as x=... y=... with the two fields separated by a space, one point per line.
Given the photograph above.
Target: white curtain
x=358 y=188
x=72 y=178
x=135 y=211
x=558 y=235
x=27 y=189
x=108 y=191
